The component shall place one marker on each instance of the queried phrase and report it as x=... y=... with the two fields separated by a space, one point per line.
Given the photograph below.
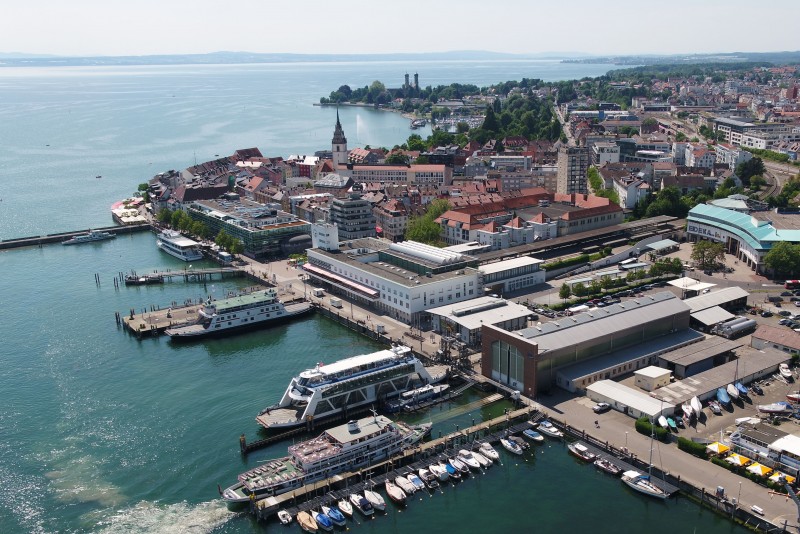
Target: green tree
x=750 y=168
x=783 y=258
x=223 y=240
x=757 y=182
x=579 y=290
x=707 y=254
x=397 y=158
x=565 y=292
x=422 y=160
x=490 y=123
x=164 y=216
x=199 y=229
x=595 y=287
x=237 y=247
x=415 y=142
x=177 y=216
x=462 y=127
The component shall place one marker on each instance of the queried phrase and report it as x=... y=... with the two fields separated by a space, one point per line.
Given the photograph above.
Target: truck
x=318 y=292
x=336 y=303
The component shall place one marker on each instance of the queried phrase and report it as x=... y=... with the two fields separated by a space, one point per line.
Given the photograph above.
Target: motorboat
x=323 y=521
x=375 y=499
x=642 y=483
x=775 y=408
x=579 y=449
x=757 y=389
x=662 y=422
x=405 y=485
x=687 y=410
x=715 y=407
x=672 y=425
x=395 y=492
x=489 y=451
x=733 y=393
x=345 y=507
x=439 y=471
x=533 y=435
x=723 y=397
x=414 y=479
x=284 y=517
x=741 y=388
x=548 y=429
x=785 y=372
x=429 y=478
x=92 y=236
x=607 y=466
x=511 y=446
x=307 y=522
x=467 y=457
x=793 y=397
x=454 y=473
x=335 y=515
x=696 y=406
x=483 y=460
x=361 y=504
x=458 y=464
x=519 y=441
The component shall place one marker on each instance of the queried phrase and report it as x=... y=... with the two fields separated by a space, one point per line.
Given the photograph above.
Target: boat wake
x=155 y=518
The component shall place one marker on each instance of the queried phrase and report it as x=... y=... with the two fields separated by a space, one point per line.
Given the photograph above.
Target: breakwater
x=49 y=239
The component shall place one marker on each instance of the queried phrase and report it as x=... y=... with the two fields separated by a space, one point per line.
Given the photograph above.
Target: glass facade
x=508 y=364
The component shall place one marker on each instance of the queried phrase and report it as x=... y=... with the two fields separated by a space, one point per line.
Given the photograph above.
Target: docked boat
x=642 y=483
x=361 y=504
x=662 y=422
x=723 y=397
x=607 y=466
x=307 y=522
x=428 y=478
x=785 y=371
x=533 y=435
x=244 y=312
x=414 y=479
x=284 y=517
x=440 y=471
x=742 y=389
x=519 y=441
x=353 y=382
x=323 y=521
x=489 y=451
x=410 y=400
x=345 y=507
x=733 y=393
x=395 y=492
x=579 y=449
x=548 y=429
x=375 y=499
x=775 y=408
x=335 y=515
x=482 y=460
x=696 y=406
x=405 y=485
x=715 y=407
x=511 y=446
x=454 y=473
x=347 y=447
x=793 y=397
x=458 y=464
x=178 y=246
x=144 y=280
x=90 y=237
x=468 y=458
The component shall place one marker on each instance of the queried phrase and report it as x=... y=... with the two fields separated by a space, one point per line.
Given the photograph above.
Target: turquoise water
x=102 y=432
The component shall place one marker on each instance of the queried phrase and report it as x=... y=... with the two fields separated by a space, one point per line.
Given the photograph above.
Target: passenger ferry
x=358 y=381
x=347 y=447
x=183 y=248
x=254 y=310
x=91 y=237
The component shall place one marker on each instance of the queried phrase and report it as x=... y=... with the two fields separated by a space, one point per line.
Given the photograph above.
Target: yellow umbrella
x=776 y=477
x=718 y=448
x=737 y=459
x=760 y=470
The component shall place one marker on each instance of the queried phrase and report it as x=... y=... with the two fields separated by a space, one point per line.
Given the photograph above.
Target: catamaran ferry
x=254 y=310
x=361 y=380
x=183 y=248
x=346 y=447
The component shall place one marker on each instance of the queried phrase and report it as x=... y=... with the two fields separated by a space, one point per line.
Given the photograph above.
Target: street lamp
x=626 y=441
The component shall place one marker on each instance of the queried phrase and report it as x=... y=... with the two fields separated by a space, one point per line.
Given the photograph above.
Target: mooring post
x=243 y=444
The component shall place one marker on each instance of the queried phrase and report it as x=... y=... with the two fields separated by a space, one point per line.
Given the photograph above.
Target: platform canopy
x=661 y=245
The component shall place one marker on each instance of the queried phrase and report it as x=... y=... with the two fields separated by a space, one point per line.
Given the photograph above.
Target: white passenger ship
x=347 y=384
x=225 y=316
x=175 y=244
x=347 y=447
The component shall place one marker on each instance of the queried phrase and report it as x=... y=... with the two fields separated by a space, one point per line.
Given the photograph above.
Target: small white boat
x=663 y=421
x=483 y=460
x=511 y=446
x=429 y=478
x=361 y=504
x=307 y=523
x=467 y=457
x=533 y=435
x=732 y=391
x=580 y=450
x=414 y=479
x=696 y=406
x=642 y=484
x=345 y=507
x=785 y=371
x=687 y=410
x=458 y=464
x=284 y=517
x=395 y=492
x=440 y=471
x=405 y=485
x=548 y=429
x=488 y=451
x=375 y=499
x=793 y=397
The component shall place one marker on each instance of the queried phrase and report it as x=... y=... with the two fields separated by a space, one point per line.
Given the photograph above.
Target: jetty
x=49 y=239
x=185 y=275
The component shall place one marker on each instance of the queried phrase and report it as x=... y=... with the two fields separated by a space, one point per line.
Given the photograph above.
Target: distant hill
x=777 y=58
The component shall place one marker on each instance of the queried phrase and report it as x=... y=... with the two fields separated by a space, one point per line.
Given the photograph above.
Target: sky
x=623 y=27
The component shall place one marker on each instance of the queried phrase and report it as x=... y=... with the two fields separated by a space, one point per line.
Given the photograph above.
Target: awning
x=341 y=282
x=713 y=315
x=718 y=448
x=738 y=459
x=760 y=470
x=777 y=475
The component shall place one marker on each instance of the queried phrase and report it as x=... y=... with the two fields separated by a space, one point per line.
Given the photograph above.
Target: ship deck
x=279 y=415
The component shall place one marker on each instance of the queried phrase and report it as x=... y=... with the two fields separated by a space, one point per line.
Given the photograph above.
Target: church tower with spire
x=339 y=144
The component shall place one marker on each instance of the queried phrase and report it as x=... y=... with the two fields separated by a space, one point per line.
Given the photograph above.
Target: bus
x=792 y=284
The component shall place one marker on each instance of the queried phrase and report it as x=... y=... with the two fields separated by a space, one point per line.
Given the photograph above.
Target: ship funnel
x=352 y=427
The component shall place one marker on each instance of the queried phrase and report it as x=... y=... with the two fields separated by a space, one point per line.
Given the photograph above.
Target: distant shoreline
x=409 y=116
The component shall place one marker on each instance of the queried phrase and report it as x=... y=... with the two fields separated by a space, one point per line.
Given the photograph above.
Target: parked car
x=787 y=294
x=601 y=407
x=797 y=303
x=766 y=313
x=784 y=313
x=784 y=322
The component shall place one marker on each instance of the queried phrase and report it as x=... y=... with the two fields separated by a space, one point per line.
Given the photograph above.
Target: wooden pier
x=187 y=275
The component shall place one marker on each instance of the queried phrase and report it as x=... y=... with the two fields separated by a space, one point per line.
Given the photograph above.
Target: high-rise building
x=353 y=216
x=573 y=164
x=339 y=145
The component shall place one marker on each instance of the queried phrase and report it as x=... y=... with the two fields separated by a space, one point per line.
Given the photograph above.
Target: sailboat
x=641 y=482
x=732 y=391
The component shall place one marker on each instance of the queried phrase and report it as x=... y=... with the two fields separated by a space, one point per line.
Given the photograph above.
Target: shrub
x=722 y=463
x=693 y=448
x=643 y=426
x=568 y=262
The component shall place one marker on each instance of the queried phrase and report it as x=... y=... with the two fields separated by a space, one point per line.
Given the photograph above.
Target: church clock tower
x=339 y=145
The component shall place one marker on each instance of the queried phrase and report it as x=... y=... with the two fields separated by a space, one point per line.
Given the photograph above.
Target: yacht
x=244 y=312
x=91 y=237
x=347 y=447
x=411 y=399
x=327 y=390
x=183 y=248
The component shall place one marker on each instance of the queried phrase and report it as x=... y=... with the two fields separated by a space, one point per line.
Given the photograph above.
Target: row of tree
x=182 y=221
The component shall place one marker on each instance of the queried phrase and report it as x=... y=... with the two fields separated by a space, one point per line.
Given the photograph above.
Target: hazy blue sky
x=139 y=27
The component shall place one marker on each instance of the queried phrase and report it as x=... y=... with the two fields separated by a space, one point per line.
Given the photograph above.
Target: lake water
x=101 y=432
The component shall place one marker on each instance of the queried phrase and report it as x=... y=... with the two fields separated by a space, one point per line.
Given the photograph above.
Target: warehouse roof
x=697 y=352
x=713 y=315
x=630 y=397
x=716 y=297
x=474 y=313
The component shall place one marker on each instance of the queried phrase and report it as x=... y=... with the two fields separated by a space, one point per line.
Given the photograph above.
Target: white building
x=652 y=377
x=630 y=191
x=605 y=153
x=513 y=274
x=467 y=318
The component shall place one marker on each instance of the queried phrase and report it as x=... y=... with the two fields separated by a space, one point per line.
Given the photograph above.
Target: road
x=564 y=128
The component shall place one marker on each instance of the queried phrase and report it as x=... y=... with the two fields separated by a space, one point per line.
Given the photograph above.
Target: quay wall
x=63 y=236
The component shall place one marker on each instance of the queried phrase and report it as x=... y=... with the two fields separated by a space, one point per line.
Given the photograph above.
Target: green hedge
x=569 y=262
x=693 y=448
x=643 y=426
